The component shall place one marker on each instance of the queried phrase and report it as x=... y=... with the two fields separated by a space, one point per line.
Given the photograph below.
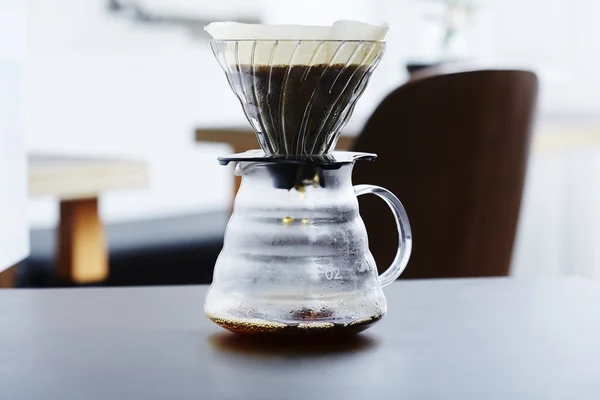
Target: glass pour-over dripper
x=298 y=94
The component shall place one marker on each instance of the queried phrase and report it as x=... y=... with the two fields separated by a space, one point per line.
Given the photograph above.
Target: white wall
x=98 y=85
x=559 y=228
x=14 y=243
x=559 y=39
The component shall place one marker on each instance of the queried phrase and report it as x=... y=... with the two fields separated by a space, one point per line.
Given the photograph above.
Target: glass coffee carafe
x=295 y=257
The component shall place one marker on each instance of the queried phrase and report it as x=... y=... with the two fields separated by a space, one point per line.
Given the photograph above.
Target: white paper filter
x=345 y=42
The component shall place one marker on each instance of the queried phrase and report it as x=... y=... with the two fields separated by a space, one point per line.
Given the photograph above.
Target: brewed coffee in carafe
x=295 y=258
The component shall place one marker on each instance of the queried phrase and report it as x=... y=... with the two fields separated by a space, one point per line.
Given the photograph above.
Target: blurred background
x=119 y=89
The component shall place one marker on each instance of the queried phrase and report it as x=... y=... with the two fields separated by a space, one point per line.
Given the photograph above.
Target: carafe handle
x=404 y=232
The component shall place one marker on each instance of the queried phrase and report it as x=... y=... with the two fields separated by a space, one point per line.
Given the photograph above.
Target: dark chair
x=453 y=147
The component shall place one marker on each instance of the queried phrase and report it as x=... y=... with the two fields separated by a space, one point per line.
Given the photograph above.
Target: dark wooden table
x=447 y=339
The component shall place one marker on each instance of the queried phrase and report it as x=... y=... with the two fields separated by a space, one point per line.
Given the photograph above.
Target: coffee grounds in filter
x=298 y=110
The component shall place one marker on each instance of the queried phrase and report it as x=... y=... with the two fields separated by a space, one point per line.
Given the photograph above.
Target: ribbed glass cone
x=297 y=94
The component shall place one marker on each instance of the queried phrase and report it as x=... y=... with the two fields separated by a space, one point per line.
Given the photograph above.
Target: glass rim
x=295 y=41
